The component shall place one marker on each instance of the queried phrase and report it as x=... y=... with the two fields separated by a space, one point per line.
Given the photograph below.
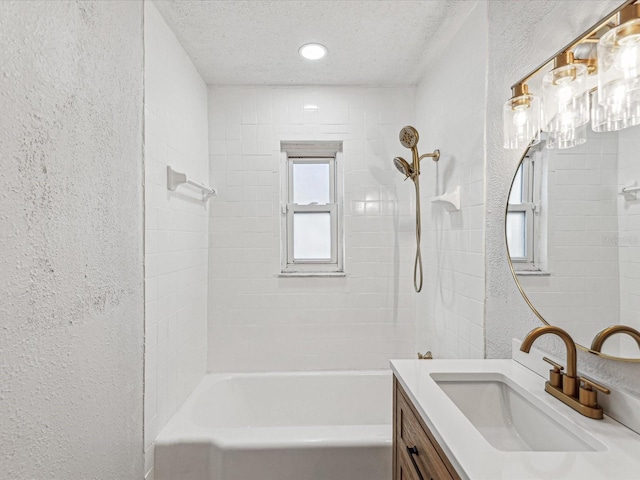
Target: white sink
x=504 y=415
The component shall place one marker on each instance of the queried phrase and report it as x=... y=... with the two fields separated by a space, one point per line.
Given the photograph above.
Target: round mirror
x=573 y=237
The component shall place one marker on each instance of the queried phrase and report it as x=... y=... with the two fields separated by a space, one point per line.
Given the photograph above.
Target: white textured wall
x=512 y=53
x=176 y=227
x=581 y=293
x=71 y=311
x=450 y=115
x=629 y=237
x=258 y=321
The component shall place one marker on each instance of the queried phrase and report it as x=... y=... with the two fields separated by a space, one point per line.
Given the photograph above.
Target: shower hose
x=417 y=264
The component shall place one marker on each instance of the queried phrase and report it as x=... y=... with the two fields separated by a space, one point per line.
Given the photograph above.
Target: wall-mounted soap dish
x=450 y=201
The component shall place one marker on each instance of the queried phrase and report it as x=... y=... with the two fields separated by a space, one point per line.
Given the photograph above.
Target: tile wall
x=176 y=228
x=450 y=116
x=259 y=321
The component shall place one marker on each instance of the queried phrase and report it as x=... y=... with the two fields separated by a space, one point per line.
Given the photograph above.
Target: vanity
x=492 y=420
x=416 y=453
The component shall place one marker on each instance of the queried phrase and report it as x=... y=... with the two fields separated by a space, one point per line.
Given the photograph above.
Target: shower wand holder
x=435 y=156
x=450 y=200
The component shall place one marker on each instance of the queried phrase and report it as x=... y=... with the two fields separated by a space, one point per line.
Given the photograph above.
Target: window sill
x=311 y=274
x=532 y=273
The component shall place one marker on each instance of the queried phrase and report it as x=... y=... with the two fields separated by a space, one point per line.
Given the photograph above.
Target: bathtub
x=281 y=426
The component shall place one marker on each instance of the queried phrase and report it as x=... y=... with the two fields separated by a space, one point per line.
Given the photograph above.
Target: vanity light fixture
x=565 y=109
x=565 y=97
x=611 y=118
x=619 y=72
x=521 y=118
x=313 y=51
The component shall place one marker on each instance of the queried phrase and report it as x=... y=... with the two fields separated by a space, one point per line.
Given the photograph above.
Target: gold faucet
x=568 y=387
x=599 y=339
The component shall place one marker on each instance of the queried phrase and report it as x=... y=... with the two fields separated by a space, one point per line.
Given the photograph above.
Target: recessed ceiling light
x=313 y=51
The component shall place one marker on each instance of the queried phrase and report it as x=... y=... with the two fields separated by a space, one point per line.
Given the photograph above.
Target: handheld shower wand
x=409 y=138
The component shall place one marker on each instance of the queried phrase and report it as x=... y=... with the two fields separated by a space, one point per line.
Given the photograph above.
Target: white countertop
x=474 y=458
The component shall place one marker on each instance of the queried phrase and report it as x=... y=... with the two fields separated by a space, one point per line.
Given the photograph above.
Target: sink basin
x=507 y=418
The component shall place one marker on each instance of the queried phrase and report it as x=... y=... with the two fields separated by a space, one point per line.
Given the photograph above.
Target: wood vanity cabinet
x=416 y=454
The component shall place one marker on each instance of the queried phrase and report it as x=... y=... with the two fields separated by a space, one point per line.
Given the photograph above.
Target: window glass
x=311 y=183
x=312 y=236
x=516 y=235
x=515 y=197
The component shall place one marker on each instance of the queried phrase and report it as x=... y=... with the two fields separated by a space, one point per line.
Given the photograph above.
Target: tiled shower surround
x=259 y=321
x=176 y=225
x=450 y=110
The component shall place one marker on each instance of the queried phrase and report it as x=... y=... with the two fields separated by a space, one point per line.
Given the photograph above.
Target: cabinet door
x=405 y=469
x=415 y=454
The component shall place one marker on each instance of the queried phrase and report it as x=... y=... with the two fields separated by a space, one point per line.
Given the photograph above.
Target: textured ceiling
x=255 y=42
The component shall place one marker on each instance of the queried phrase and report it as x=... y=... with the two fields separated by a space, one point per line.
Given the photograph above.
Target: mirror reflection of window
x=522 y=223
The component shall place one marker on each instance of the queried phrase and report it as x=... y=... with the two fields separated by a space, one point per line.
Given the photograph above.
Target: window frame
x=530 y=208
x=310 y=153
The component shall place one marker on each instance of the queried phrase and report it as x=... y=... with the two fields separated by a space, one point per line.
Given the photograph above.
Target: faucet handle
x=555 y=375
x=588 y=396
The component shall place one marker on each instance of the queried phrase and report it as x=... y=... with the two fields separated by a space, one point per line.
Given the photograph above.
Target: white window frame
x=529 y=207
x=307 y=153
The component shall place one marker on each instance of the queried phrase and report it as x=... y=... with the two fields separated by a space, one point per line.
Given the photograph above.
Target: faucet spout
x=572 y=368
x=568 y=388
x=599 y=339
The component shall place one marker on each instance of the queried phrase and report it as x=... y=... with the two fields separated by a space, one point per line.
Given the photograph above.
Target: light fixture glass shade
x=521 y=121
x=605 y=118
x=619 y=67
x=568 y=139
x=565 y=99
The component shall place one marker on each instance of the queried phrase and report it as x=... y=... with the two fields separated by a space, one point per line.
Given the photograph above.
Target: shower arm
x=416 y=159
x=435 y=156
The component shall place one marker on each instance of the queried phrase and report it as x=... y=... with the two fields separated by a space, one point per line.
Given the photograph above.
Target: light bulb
x=564 y=97
x=520 y=117
x=628 y=60
x=564 y=94
x=521 y=120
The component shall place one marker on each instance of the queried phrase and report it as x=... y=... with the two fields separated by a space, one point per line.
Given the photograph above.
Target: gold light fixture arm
x=585 y=36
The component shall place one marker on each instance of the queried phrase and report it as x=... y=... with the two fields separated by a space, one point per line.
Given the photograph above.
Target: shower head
x=409 y=137
x=403 y=167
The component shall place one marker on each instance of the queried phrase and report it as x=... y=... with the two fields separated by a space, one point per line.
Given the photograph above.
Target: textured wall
x=71 y=310
x=450 y=111
x=512 y=54
x=258 y=321
x=176 y=227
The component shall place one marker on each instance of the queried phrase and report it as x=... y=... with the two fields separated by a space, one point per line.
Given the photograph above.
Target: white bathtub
x=281 y=426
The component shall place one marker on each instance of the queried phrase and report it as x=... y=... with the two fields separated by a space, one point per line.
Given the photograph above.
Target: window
x=523 y=223
x=311 y=208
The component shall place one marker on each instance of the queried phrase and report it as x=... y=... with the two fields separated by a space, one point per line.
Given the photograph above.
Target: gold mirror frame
x=591 y=32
